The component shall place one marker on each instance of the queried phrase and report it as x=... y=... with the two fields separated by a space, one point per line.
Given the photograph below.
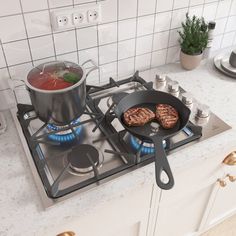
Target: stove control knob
x=160 y=81
x=203 y=111
x=173 y=87
x=187 y=98
x=161 y=78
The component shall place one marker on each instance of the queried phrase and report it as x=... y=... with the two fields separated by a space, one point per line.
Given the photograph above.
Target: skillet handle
x=162 y=164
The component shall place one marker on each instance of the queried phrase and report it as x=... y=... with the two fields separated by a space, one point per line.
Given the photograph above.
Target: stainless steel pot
x=63 y=105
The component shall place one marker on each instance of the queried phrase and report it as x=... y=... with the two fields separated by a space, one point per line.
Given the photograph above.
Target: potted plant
x=193 y=40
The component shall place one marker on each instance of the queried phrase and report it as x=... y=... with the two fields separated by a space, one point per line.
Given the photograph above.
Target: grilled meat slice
x=138 y=116
x=166 y=115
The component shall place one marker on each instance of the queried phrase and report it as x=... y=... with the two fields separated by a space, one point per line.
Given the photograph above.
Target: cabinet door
x=222 y=203
x=126 y=216
x=181 y=209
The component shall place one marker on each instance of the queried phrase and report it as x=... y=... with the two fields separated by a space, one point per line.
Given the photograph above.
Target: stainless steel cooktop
x=95 y=148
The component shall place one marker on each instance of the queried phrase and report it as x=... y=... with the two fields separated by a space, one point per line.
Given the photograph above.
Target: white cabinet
x=126 y=215
x=180 y=210
x=222 y=202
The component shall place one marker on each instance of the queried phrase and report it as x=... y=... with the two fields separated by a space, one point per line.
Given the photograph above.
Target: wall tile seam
x=75 y=5
x=226 y=22
x=153 y=31
x=23 y=63
x=26 y=33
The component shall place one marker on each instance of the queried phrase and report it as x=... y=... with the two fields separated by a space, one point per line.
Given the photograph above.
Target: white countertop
x=21 y=209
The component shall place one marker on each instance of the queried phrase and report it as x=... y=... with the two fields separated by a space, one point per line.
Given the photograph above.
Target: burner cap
x=80 y=156
x=118 y=96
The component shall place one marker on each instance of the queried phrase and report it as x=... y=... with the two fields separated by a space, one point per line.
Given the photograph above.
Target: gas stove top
x=95 y=148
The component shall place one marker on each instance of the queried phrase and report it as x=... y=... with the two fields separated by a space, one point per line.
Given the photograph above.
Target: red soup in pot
x=55 y=80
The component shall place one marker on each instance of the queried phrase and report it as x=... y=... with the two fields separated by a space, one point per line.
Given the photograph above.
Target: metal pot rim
x=58 y=90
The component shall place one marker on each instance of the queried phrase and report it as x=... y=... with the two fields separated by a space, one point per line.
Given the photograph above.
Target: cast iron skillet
x=150 y=99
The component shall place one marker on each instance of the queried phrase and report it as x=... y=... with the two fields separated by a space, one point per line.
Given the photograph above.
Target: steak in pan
x=138 y=116
x=166 y=115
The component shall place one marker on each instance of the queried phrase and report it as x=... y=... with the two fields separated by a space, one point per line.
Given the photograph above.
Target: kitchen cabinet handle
x=231 y=178
x=230 y=160
x=67 y=233
x=222 y=183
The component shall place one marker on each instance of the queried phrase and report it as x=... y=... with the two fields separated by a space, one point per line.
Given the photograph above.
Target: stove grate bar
x=55 y=185
x=95 y=169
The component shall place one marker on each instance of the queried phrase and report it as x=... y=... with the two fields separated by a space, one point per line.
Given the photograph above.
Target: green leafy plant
x=193 y=36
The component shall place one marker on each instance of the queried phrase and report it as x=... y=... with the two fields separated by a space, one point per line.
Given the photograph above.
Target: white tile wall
x=10 y=7
x=181 y=4
x=91 y=53
x=41 y=47
x=65 y=42
x=162 y=21
x=145 y=25
x=145 y=8
x=87 y=37
x=37 y=23
x=127 y=11
x=160 y=40
x=209 y=11
x=133 y=34
x=164 y=5
x=127 y=29
x=12 y=28
x=34 y=5
x=126 y=49
x=2 y=60
x=144 y=44
x=108 y=53
x=107 y=33
x=125 y=67
x=233 y=8
x=17 y=52
x=223 y=8
x=158 y=58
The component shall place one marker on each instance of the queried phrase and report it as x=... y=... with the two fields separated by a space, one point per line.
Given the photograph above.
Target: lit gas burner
x=83 y=159
x=147 y=148
x=65 y=135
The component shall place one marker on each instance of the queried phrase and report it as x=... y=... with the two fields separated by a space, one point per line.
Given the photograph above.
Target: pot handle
x=92 y=69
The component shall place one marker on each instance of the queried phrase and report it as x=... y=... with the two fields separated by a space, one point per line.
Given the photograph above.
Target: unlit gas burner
x=83 y=159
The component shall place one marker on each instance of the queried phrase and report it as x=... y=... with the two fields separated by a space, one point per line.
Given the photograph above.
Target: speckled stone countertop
x=21 y=210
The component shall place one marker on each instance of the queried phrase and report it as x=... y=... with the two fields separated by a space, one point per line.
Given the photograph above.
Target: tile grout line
x=76 y=39
x=5 y=58
x=52 y=35
x=79 y=4
x=153 y=32
x=225 y=23
x=98 y=56
x=26 y=62
x=136 y=36
x=169 y=31
x=117 y=38
x=26 y=32
x=84 y=27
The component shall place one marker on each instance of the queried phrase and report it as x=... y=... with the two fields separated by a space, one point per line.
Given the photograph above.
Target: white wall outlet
x=94 y=14
x=78 y=16
x=62 y=21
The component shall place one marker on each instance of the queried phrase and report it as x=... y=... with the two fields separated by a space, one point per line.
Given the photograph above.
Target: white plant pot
x=190 y=62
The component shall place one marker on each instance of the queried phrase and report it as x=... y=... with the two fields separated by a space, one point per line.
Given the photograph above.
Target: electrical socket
x=62 y=21
x=78 y=16
x=93 y=14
